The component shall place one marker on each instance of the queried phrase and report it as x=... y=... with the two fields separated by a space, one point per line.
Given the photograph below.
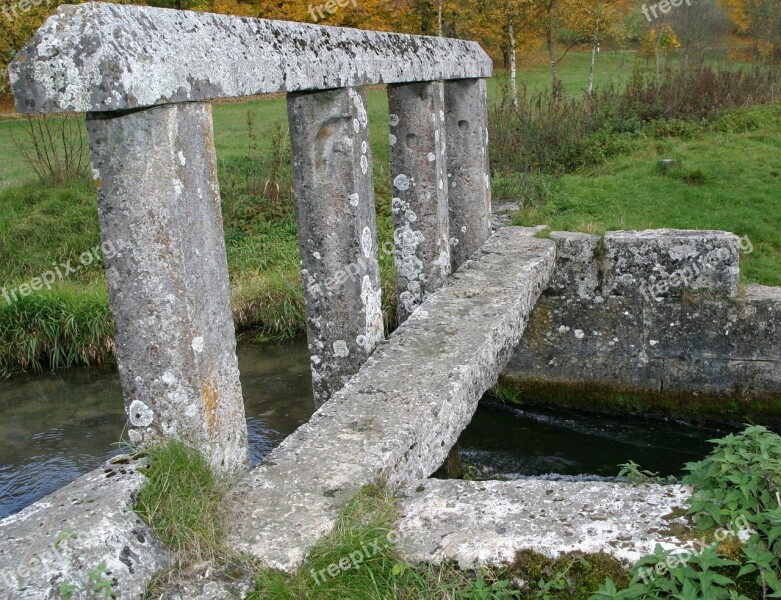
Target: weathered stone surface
x=420 y=196
x=337 y=233
x=399 y=416
x=571 y=340
x=73 y=531
x=103 y=57
x=208 y=583
x=577 y=268
x=159 y=206
x=477 y=523
x=744 y=328
x=661 y=263
x=468 y=170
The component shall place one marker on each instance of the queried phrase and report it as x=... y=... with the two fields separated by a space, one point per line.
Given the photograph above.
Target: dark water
x=58 y=426
x=511 y=442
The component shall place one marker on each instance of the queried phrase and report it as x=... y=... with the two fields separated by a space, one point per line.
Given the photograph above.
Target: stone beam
x=104 y=57
x=90 y=522
x=337 y=233
x=159 y=206
x=398 y=418
x=482 y=523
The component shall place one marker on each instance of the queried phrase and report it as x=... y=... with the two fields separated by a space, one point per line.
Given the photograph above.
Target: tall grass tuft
x=183 y=502
x=61 y=328
x=542 y=135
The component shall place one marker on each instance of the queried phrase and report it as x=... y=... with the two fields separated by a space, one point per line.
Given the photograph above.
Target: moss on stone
x=609 y=398
x=581 y=574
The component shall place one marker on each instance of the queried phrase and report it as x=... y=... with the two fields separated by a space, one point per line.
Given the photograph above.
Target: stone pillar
x=337 y=233
x=420 y=191
x=466 y=120
x=167 y=275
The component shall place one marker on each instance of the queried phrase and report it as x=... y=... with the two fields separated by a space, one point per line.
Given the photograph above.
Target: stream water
x=55 y=427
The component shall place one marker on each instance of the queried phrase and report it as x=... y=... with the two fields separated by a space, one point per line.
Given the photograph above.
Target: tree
x=509 y=25
x=761 y=21
x=696 y=26
x=595 y=22
x=659 y=40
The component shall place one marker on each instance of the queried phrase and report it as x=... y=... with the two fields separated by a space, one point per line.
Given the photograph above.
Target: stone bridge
x=390 y=409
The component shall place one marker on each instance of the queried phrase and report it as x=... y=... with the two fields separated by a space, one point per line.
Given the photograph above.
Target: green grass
x=41 y=226
x=726 y=180
x=183 y=502
x=365 y=564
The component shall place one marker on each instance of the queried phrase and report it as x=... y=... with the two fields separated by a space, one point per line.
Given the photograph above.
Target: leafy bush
x=737 y=489
x=741 y=477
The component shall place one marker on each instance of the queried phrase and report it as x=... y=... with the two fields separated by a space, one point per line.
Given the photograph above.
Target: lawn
x=724 y=180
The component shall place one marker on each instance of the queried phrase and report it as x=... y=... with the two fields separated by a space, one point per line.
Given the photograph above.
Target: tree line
x=505 y=28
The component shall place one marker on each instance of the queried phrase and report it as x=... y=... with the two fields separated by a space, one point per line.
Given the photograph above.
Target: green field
x=728 y=178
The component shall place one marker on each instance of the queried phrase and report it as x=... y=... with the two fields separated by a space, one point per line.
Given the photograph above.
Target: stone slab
x=475 y=523
x=71 y=532
x=105 y=57
x=667 y=262
x=397 y=419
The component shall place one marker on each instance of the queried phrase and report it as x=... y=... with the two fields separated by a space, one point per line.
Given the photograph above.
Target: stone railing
x=146 y=78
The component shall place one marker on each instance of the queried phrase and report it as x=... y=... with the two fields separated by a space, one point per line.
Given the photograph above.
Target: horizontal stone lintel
x=396 y=420
x=97 y=57
x=477 y=523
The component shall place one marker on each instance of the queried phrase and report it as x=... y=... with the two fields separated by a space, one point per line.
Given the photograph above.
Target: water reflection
x=57 y=426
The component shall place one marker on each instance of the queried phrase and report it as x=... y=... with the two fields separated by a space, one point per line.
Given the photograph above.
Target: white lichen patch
x=364 y=164
x=198 y=344
x=340 y=349
x=354 y=199
x=401 y=182
x=140 y=414
x=372 y=303
x=392 y=139
x=367 y=244
x=363 y=117
x=394 y=120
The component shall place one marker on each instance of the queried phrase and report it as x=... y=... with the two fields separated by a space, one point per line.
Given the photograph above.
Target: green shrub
x=735 y=488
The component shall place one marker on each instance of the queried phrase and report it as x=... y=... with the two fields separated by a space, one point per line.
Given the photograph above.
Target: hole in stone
x=463 y=125
x=412 y=140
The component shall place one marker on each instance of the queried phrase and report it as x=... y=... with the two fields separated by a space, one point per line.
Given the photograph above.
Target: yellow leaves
x=659 y=39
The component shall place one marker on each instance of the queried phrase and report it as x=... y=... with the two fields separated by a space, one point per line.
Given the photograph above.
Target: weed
x=183 y=502
x=736 y=488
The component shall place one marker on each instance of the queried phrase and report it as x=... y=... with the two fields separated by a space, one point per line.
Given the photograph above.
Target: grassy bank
x=726 y=178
